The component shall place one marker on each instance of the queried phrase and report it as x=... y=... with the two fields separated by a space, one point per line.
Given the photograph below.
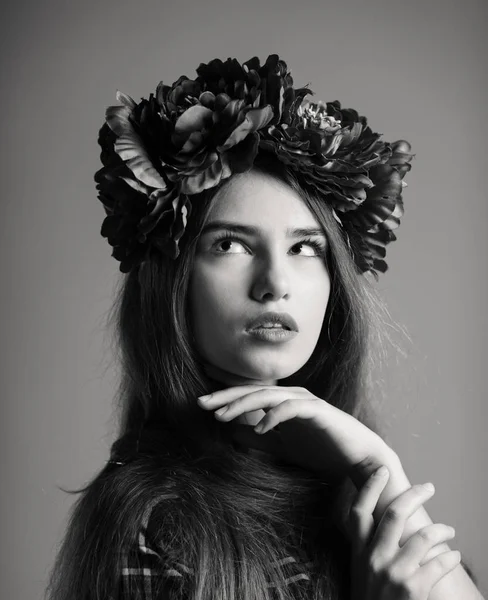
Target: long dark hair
x=250 y=512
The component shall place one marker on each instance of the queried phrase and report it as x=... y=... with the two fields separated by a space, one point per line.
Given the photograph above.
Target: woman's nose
x=271 y=280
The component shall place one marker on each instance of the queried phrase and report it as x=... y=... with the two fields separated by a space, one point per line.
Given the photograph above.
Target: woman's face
x=234 y=281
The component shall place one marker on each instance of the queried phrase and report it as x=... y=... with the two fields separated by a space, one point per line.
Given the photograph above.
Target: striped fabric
x=144 y=568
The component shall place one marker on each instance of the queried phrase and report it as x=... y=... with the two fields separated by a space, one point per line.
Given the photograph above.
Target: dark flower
x=192 y=135
x=337 y=154
x=182 y=141
x=370 y=226
x=332 y=149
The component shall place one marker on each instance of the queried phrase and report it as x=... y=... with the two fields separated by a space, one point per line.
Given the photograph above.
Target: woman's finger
x=413 y=551
x=288 y=409
x=429 y=574
x=227 y=395
x=386 y=539
x=230 y=404
x=253 y=401
x=360 y=521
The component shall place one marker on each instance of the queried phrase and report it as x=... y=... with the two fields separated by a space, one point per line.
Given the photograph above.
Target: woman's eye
x=315 y=248
x=226 y=242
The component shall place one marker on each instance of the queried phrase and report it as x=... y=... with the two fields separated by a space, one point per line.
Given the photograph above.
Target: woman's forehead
x=256 y=198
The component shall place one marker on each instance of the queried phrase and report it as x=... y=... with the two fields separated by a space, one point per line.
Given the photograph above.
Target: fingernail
x=204 y=398
x=221 y=411
x=259 y=428
x=382 y=471
x=429 y=487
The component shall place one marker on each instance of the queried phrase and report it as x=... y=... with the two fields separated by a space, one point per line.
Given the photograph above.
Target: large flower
x=185 y=139
x=135 y=205
x=337 y=153
x=332 y=149
x=370 y=226
x=190 y=136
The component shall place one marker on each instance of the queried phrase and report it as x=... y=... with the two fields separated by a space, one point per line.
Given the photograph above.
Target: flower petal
x=193 y=119
x=117 y=118
x=241 y=157
x=203 y=180
x=130 y=148
x=125 y=100
x=255 y=119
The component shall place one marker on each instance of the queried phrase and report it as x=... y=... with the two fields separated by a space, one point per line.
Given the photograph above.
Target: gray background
x=416 y=69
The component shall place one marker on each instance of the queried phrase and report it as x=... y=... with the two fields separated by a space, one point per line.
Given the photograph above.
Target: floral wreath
x=192 y=135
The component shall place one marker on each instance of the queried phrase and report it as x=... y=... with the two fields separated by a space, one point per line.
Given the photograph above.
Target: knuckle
x=446 y=560
x=356 y=512
x=289 y=402
x=392 y=513
x=427 y=534
x=441 y=559
x=438 y=565
x=277 y=408
x=376 y=565
x=368 y=461
x=395 y=577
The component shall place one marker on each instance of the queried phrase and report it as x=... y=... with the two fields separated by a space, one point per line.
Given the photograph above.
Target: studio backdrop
x=417 y=70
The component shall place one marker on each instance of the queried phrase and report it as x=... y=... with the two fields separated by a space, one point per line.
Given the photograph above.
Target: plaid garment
x=146 y=565
x=145 y=571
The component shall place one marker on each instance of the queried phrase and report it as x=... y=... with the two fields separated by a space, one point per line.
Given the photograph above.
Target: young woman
x=247 y=222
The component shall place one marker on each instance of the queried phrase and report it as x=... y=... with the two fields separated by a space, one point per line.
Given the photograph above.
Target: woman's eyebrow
x=250 y=230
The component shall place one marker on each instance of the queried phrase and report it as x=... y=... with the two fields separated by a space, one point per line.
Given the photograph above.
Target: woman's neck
x=223 y=379
x=220 y=380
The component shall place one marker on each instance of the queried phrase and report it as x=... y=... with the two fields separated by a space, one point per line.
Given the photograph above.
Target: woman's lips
x=274 y=318
x=272 y=334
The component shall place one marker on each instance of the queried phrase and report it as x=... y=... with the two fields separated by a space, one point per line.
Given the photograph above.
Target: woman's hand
x=312 y=433
x=380 y=568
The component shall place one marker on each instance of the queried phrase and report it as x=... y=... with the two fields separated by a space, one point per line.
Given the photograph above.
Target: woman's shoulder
x=143 y=522
x=146 y=566
x=108 y=548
